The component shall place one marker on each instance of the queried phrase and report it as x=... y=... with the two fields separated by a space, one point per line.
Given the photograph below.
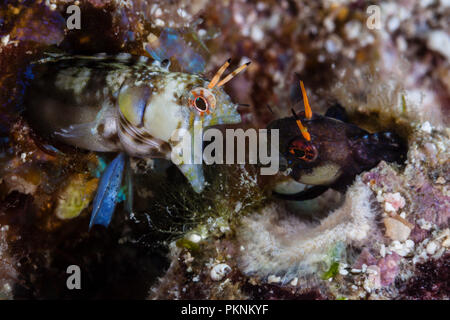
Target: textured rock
x=396 y=230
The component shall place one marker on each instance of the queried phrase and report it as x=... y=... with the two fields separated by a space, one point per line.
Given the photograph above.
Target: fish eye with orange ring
x=202 y=99
x=302 y=150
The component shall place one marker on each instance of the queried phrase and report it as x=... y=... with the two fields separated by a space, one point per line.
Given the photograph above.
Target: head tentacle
x=303 y=129
x=233 y=74
x=218 y=74
x=308 y=112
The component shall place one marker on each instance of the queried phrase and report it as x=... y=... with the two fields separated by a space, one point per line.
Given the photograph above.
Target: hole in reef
x=316 y=209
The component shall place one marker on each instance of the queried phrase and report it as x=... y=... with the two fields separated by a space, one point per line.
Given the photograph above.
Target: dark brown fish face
x=319 y=160
x=326 y=152
x=336 y=152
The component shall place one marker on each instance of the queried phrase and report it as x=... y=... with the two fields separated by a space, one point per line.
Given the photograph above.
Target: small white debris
x=352 y=29
x=388 y=207
x=380 y=197
x=5 y=40
x=256 y=33
x=409 y=244
x=432 y=247
x=355 y=270
x=196 y=279
x=440 y=180
x=7 y=287
x=383 y=250
x=294 y=282
x=159 y=23
x=395 y=201
x=420 y=257
x=401 y=249
x=329 y=24
x=423 y=224
x=187 y=258
x=439 y=40
x=393 y=23
x=182 y=13
x=158 y=12
x=333 y=44
x=426 y=127
x=364 y=267
x=219 y=271
x=273 y=279
x=366 y=286
x=260 y=6
x=238 y=207
x=343 y=272
x=195 y=238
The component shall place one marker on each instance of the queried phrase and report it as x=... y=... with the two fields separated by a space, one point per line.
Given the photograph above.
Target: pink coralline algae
x=364 y=258
x=389 y=268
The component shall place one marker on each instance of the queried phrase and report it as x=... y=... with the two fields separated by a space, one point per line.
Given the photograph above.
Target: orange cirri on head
x=308 y=112
x=218 y=74
x=222 y=69
x=233 y=74
x=303 y=129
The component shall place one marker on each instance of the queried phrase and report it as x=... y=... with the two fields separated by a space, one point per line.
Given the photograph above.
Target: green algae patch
x=188 y=245
x=332 y=272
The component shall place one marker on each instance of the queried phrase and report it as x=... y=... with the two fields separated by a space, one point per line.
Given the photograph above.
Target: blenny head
x=155 y=106
x=297 y=146
x=158 y=102
x=323 y=150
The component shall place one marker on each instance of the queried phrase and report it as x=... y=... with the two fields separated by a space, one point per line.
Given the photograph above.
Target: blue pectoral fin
x=108 y=189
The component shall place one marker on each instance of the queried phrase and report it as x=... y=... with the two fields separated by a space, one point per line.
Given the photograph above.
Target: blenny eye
x=202 y=100
x=302 y=150
x=201 y=104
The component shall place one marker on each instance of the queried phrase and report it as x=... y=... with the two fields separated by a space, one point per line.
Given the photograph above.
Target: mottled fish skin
x=122 y=103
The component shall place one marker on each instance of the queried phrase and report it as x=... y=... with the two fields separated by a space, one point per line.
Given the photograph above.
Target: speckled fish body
x=121 y=103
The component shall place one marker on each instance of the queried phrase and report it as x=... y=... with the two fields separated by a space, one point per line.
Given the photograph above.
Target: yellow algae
x=76 y=196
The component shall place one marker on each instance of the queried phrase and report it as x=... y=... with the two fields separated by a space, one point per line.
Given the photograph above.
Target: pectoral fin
x=85 y=136
x=108 y=189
